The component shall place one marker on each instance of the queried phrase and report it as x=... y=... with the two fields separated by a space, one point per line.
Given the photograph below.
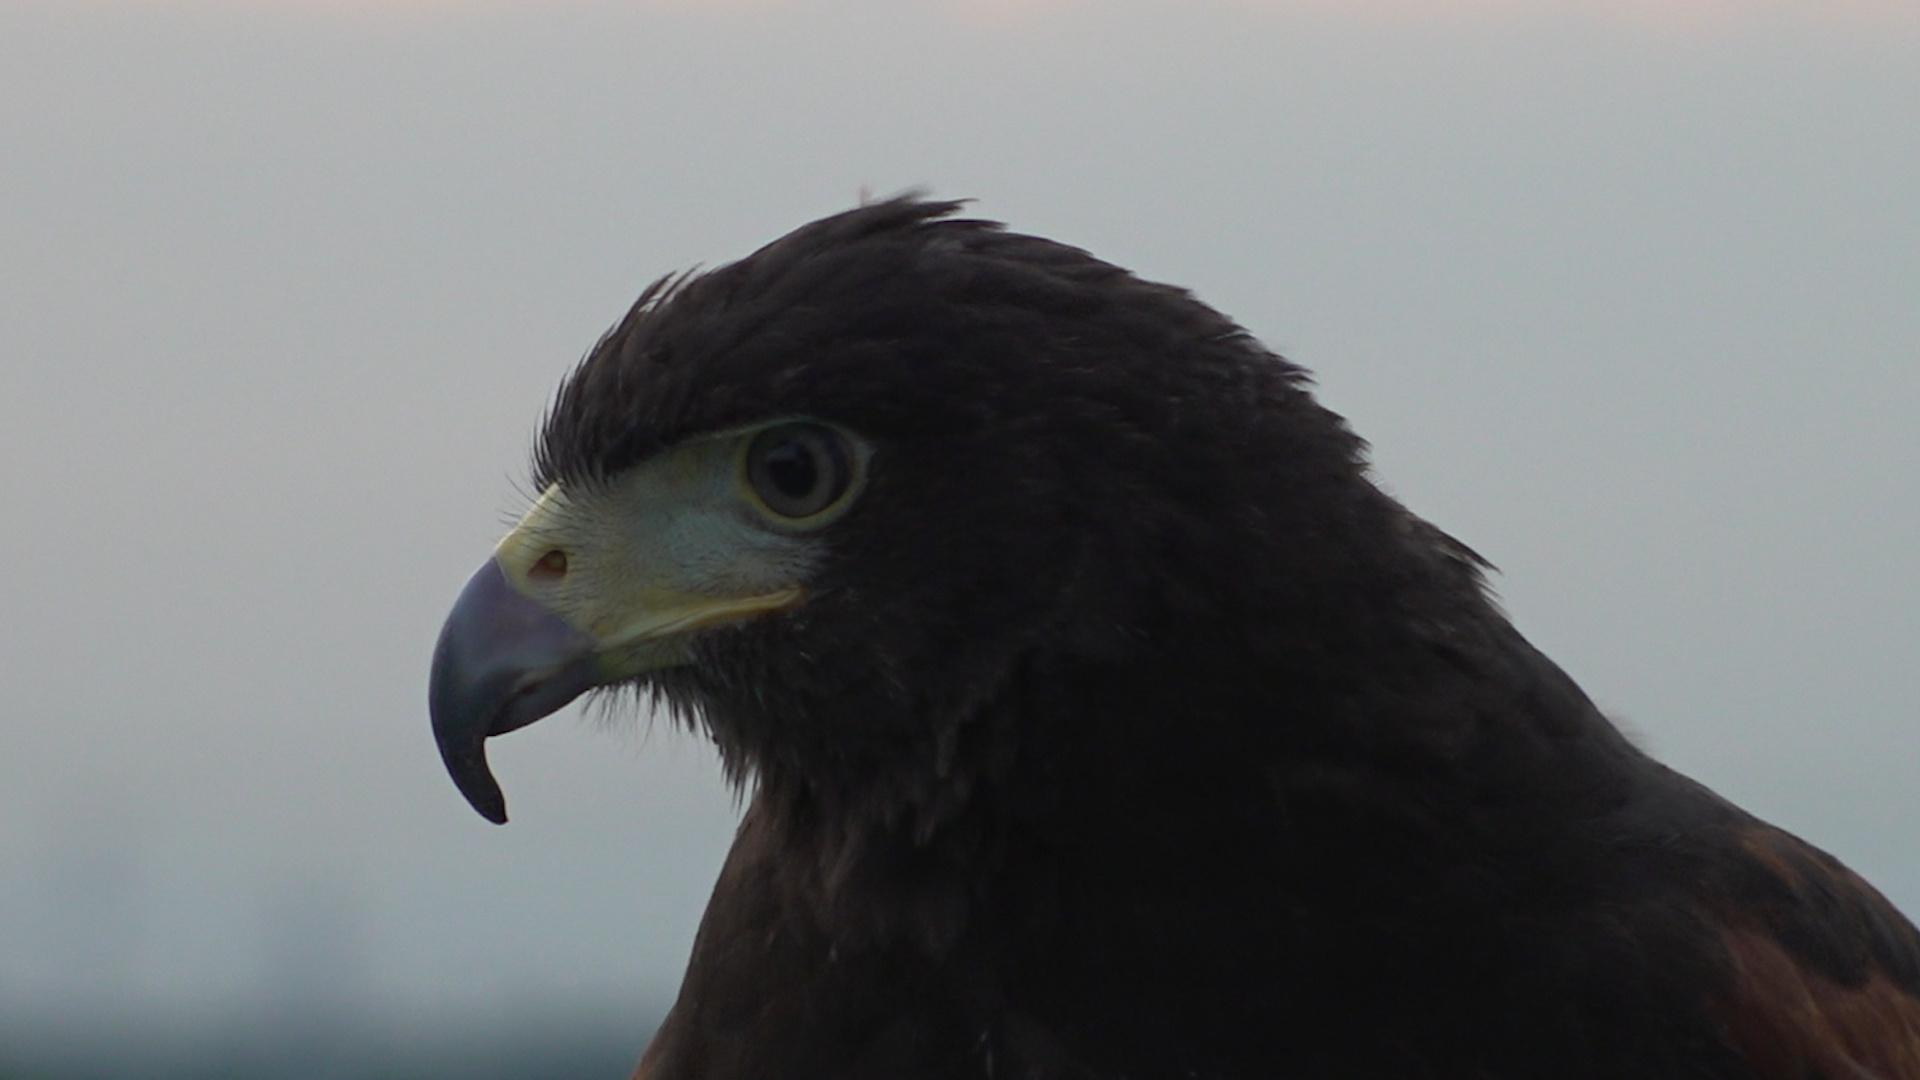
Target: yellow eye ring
x=799 y=472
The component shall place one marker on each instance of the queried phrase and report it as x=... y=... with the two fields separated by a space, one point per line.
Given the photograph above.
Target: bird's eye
x=799 y=470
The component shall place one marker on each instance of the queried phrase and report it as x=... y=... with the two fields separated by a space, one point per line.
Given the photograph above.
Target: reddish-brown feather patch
x=1792 y=1024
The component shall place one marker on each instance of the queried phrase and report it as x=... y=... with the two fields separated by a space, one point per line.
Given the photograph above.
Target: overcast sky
x=1626 y=296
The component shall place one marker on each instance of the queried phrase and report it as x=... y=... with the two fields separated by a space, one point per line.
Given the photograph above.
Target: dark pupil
x=798 y=470
x=792 y=467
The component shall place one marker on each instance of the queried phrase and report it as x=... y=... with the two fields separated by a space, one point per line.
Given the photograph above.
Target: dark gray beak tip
x=467 y=764
x=462 y=741
x=501 y=663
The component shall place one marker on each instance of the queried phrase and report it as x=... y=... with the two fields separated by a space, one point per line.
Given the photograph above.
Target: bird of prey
x=1103 y=720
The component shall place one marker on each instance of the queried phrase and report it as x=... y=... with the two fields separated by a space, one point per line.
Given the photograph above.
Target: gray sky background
x=1626 y=296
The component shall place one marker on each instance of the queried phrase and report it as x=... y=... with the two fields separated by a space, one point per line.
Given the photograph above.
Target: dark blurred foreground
x=541 y=1045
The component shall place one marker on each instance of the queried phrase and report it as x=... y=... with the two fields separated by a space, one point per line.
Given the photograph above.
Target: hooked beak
x=502 y=662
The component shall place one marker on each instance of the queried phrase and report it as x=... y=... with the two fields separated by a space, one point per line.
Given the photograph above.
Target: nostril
x=550 y=567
